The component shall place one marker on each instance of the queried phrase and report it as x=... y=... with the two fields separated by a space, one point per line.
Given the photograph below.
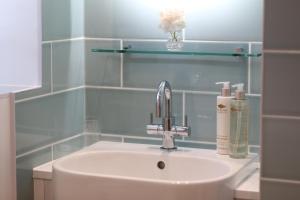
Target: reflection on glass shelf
x=237 y=53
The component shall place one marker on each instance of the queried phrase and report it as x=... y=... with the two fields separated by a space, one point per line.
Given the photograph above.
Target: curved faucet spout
x=164 y=97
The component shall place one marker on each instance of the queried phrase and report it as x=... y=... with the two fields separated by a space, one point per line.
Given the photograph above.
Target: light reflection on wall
x=187 y=5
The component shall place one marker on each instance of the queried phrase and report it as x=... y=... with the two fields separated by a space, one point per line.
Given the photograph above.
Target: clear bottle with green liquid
x=239 y=122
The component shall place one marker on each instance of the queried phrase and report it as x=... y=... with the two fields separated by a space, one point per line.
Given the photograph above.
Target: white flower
x=172 y=20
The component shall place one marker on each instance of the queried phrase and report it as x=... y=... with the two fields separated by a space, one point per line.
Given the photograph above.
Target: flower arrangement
x=172 y=21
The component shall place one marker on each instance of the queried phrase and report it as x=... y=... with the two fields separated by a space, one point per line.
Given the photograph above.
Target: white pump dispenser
x=223 y=118
x=239 y=92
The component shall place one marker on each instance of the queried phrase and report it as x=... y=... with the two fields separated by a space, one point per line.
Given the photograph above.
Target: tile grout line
x=287 y=117
x=278 y=180
x=121 y=88
x=163 y=40
x=51 y=67
x=158 y=139
x=48 y=145
x=49 y=94
x=153 y=90
x=153 y=138
x=63 y=40
x=102 y=39
x=121 y=65
x=279 y=51
x=183 y=110
x=158 y=40
x=249 y=68
x=52 y=152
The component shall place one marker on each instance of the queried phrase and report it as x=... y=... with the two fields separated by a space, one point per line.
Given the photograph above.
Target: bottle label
x=221 y=108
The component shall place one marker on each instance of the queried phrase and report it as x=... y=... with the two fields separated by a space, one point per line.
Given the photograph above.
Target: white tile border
x=51 y=68
x=121 y=65
x=183 y=108
x=284 y=117
x=281 y=51
x=277 y=180
x=49 y=94
x=154 y=90
x=121 y=89
x=148 y=40
x=249 y=69
x=63 y=40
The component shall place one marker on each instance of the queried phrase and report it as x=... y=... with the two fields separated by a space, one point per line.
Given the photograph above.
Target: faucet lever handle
x=151 y=118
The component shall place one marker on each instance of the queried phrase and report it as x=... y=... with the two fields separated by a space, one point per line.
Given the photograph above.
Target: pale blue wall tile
x=184 y=72
x=46 y=76
x=72 y=145
x=121 y=19
x=49 y=119
x=115 y=138
x=254 y=149
x=125 y=112
x=102 y=68
x=62 y=19
x=191 y=144
x=201 y=111
x=25 y=165
x=68 y=65
x=178 y=142
x=254 y=120
x=143 y=141
x=256 y=70
x=231 y=20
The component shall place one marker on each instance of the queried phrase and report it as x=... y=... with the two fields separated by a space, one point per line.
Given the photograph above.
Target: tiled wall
x=50 y=120
x=121 y=89
x=280 y=175
x=115 y=93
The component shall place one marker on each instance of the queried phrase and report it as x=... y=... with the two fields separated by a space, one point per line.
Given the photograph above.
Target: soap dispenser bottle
x=223 y=119
x=239 y=123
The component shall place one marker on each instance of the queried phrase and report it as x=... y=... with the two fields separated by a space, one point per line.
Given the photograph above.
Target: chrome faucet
x=167 y=128
x=164 y=97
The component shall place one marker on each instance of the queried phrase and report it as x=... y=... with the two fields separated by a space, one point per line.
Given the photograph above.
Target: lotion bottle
x=223 y=119
x=239 y=123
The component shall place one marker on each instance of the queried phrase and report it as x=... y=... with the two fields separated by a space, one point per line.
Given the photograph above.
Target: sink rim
x=58 y=166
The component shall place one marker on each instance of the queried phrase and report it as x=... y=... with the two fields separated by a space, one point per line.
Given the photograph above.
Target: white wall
x=20 y=42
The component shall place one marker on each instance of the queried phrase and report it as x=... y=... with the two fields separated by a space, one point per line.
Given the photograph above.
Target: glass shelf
x=166 y=52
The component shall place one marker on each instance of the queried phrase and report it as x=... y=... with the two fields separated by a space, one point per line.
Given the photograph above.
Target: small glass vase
x=175 y=42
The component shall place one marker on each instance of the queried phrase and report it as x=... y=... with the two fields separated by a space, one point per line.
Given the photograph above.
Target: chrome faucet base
x=168 y=149
x=167 y=128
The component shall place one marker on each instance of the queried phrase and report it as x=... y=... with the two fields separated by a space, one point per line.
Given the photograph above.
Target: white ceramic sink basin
x=113 y=171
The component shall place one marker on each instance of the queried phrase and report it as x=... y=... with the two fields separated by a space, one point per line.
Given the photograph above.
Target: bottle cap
x=225 y=92
x=239 y=92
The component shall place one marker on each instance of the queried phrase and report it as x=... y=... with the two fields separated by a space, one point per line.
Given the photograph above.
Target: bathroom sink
x=113 y=171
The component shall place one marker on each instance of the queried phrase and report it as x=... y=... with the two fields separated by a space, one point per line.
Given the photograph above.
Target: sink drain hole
x=161 y=165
